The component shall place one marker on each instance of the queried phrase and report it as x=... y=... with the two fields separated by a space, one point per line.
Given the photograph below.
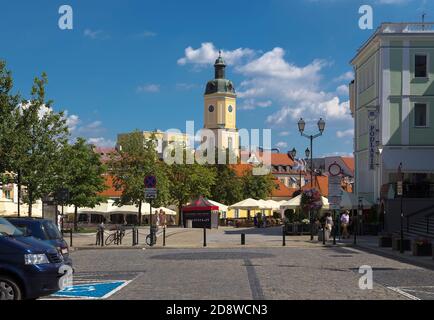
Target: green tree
x=257 y=186
x=131 y=163
x=188 y=181
x=8 y=106
x=9 y=144
x=41 y=135
x=228 y=187
x=80 y=170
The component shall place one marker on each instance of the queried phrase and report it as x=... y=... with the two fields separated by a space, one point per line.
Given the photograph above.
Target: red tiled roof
x=241 y=168
x=282 y=190
x=321 y=184
x=349 y=162
x=110 y=192
x=282 y=159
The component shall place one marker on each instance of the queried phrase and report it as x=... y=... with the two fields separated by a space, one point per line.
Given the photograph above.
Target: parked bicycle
x=151 y=239
x=115 y=237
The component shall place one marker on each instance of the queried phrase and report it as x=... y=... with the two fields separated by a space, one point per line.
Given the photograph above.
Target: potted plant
x=422 y=247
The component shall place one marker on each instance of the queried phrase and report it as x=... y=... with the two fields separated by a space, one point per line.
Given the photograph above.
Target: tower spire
x=219 y=67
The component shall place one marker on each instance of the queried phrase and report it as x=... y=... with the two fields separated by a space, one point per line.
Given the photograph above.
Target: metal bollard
x=164 y=236
x=133 y=233
x=70 y=237
x=283 y=236
x=204 y=236
x=243 y=239
x=323 y=235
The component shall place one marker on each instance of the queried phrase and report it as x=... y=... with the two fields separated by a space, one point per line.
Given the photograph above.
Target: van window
x=8 y=229
x=51 y=231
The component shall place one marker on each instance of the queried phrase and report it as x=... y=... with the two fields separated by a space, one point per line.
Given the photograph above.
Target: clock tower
x=220 y=108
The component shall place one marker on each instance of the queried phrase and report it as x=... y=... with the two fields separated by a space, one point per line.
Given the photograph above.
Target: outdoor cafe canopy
x=295 y=203
x=251 y=204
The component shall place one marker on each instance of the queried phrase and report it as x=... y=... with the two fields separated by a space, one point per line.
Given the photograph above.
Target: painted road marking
x=95 y=290
x=405 y=294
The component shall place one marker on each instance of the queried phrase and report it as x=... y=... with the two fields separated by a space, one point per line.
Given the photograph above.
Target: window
x=7 y=194
x=211 y=108
x=420 y=115
x=420 y=66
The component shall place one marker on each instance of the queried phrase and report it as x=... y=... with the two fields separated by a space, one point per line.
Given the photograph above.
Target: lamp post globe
x=301 y=125
x=293 y=153
x=321 y=125
x=307 y=153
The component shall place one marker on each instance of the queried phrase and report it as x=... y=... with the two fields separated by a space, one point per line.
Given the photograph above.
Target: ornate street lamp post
x=321 y=127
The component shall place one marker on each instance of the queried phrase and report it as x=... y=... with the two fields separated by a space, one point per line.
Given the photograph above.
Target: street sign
x=150 y=182
x=150 y=193
x=399 y=190
x=334 y=169
x=101 y=290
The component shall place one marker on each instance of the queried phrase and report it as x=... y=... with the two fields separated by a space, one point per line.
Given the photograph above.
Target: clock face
x=230 y=109
x=211 y=108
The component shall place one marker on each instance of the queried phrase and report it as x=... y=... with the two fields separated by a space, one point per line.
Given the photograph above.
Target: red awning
x=200 y=204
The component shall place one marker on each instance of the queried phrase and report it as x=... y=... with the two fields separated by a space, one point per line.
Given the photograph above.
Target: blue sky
x=143 y=64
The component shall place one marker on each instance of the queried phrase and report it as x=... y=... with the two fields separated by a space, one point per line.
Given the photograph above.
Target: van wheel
x=9 y=290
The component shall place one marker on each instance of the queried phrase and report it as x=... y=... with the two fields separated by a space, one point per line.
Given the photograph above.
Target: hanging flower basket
x=311 y=200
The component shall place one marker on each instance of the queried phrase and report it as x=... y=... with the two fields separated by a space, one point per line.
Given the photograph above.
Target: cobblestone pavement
x=304 y=272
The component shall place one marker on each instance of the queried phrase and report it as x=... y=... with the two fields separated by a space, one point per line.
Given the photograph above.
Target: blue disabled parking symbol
x=99 y=290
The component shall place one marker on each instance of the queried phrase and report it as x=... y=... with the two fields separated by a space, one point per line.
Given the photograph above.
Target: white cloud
x=347 y=76
x=270 y=80
x=345 y=133
x=281 y=145
x=207 y=54
x=251 y=104
x=342 y=90
x=284 y=133
x=151 y=88
x=95 y=34
x=101 y=142
x=72 y=121
x=148 y=34
x=272 y=64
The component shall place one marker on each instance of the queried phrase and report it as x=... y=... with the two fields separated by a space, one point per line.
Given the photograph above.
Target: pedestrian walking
x=329 y=222
x=345 y=221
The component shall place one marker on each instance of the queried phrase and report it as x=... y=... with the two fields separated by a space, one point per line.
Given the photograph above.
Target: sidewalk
x=370 y=244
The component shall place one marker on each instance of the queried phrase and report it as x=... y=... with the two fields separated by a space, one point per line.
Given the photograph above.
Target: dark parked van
x=44 y=230
x=29 y=268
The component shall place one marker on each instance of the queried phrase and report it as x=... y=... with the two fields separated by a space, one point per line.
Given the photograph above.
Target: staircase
x=423 y=226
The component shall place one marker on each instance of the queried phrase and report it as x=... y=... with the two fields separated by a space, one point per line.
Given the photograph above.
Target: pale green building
x=392 y=103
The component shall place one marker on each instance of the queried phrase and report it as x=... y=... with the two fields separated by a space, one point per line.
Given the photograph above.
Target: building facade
x=392 y=103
